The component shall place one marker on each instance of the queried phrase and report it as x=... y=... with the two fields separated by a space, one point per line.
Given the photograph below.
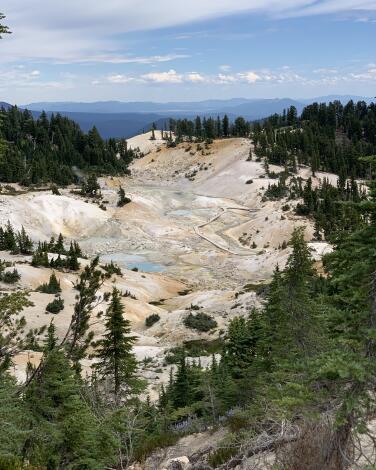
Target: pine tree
x=3 y=29
x=50 y=342
x=182 y=388
x=13 y=432
x=290 y=319
x=79 y=337
x=53 y=286
x=225 y=126
x=116 y=361
x=65 y=433
x=12 y=326
x=153 y=129
x=59 y=245
x=24 y=243
x=123 y=199
x=350 y=365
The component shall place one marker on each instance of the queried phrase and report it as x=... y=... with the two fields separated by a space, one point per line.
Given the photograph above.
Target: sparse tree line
x=203 y=129
x=20 y=243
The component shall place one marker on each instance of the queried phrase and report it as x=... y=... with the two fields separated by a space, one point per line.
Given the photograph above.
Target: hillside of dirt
x=198 y=233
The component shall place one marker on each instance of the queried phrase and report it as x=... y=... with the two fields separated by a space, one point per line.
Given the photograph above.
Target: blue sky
x=142 y=50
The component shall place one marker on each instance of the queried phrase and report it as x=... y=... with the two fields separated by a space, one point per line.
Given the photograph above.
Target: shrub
x=221 y=456
x=55 y=190
x=174 y=355
x=202 y=347
x=123 y=199
x=153 y=442
x=10 y=277
x=152 y=319
x=302 y=209
x=56 y=306
x=111 y=269
x=53 y=286
x=200 y=322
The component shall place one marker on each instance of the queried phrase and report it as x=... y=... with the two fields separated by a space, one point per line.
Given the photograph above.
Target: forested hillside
x=327 y=137
x=47 y=150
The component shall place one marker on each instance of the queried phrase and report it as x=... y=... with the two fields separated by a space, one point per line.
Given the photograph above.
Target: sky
x=171 y=50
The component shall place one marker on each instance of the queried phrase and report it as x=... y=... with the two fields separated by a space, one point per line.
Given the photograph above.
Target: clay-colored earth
x=198 y=230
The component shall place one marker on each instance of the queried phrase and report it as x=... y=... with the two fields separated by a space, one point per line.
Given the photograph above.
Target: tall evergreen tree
x=115 y=360
x=65 y=433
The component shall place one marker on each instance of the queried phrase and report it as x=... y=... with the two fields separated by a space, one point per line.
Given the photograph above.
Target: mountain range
x=125 y=119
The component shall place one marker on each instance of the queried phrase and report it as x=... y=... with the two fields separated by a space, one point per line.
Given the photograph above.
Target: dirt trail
x=213 y=219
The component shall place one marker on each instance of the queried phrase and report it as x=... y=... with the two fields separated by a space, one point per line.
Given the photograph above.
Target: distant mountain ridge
x=251 y=107
x=125 y=119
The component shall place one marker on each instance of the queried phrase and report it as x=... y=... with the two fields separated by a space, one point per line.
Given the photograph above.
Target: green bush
x=10 y=277
x=53 y=286
x=174 y=355
x=112 y=268
x=221 y=456
x=152 y=319
x=201 y=322
x=203 y=347
x=13 y=463
x=56 y=306
x=151 y=443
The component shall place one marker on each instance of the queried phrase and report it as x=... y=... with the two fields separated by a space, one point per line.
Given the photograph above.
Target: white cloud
x=20 y=78
x=195 y=77
x=118 y=78
x=225 y=68
x=114 y=59
x=250 y=77
x=163 y=77
x=72 y=30
x=227 y=78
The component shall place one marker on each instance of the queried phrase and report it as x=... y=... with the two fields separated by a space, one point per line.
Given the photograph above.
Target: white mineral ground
x=164 y=232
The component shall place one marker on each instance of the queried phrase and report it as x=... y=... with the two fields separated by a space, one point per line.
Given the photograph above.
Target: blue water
x=131 y=261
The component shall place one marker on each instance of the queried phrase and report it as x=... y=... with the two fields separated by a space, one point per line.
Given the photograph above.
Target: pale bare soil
x=192 y=219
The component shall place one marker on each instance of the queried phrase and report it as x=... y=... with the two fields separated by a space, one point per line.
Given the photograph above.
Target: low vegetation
x=200 y=322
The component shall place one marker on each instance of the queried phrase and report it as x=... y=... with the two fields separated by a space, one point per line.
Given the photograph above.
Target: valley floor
x=198 y=230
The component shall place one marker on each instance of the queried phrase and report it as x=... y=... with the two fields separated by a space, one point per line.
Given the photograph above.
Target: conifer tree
x=59 y=245
x=3 y=29
x=24 y=243
x=153 y=129
x=225 y=126
x=182 y=388
x=13 y=417
x=79 y=336
x=350 y=365
x=290 y=313
x=65 y=433
x=123 y=199
x=12 y=326
x=116 y=361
